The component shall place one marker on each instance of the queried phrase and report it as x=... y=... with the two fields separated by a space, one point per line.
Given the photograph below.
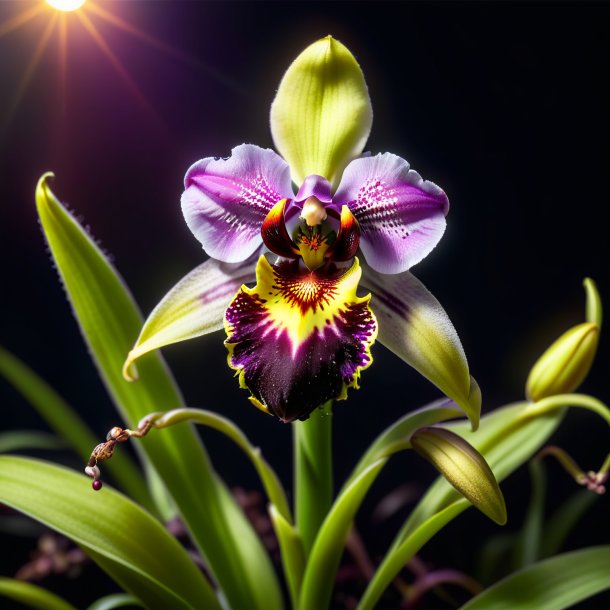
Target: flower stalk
x=167 y=419
x=313 y=472
x=593 y=481
x=552 y=403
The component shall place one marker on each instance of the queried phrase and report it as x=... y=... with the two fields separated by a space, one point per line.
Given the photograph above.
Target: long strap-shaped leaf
x=552 y=584
x=110 y=323
x=115 y=600
x=32 y=595
x=18 y=440
x=131 y=546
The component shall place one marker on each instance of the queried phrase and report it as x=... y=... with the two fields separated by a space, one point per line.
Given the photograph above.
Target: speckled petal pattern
x=299 y=338
x=401 y=216
x=226 y=200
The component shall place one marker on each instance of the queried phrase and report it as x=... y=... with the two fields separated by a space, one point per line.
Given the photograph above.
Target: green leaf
x=396 y=437
x=17 y=440
x=292 y=553
x=565 y=518
x=32 y=595
x=321 y=116
x=110 y=323
x=527 y=549
x=507 y=437
x=129 y=544
x=399 y=555
x=326 y=553
x=552 y=584
x=68 y=425
x=117 y=600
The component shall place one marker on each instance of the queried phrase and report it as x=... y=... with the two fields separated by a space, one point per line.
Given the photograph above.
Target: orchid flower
x=302 y=335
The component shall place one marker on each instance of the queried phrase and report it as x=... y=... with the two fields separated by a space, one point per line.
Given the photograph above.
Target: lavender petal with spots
x=402 y=216
x=226 y=200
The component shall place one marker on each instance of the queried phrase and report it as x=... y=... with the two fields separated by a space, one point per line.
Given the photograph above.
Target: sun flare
x=66 y=5
x=67 y=17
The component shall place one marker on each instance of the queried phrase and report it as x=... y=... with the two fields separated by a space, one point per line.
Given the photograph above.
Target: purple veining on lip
x=290 y=380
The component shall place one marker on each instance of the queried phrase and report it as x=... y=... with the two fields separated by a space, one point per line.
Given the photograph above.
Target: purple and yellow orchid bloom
x=302 y=335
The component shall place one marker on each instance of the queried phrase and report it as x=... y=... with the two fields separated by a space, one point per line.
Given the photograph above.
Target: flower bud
x=464 y=467
x=565 y=364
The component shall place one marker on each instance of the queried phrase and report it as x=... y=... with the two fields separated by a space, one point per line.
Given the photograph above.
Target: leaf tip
x=130 y=371
x=42 y=187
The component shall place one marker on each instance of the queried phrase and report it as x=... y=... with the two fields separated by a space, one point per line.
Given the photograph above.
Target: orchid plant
x=310 y=256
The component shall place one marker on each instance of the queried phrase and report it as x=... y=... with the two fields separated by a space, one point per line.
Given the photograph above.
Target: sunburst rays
x=88 y=16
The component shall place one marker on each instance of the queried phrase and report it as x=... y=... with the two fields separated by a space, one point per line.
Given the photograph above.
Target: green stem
x=547 y=406
x=270 y=481
x=527 y=551
x=394 y=561
x=552 y=403
x=313 y=476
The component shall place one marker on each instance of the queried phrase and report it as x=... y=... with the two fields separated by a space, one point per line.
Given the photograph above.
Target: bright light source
x=66 y=5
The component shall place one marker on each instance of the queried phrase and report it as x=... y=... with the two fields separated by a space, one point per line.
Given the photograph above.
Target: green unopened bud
x=464 y=467
x=564 y=365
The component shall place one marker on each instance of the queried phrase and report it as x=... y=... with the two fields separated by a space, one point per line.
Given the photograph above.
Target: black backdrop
x=505 y=105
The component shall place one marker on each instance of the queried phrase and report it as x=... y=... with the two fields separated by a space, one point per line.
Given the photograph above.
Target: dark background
x=505 y=105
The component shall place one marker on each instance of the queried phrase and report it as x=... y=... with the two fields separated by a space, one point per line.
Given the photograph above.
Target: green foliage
x=552 y=584
x=68 y=424
x=506 y=438
x=118 y=600
x=326 y=553
x=17 y=440
x=110 y=323
x=133 y=547
x=32 y=595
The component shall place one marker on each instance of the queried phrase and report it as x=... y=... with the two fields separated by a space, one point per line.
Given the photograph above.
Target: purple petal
x=226 y=200
x=402 y=216
x=299 y=338
x=314 y=186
